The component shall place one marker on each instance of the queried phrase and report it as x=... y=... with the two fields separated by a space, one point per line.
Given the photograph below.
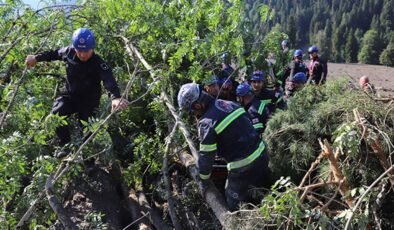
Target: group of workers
x=232 y=116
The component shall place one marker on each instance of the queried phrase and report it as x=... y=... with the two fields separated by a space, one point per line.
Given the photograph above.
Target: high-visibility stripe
x=228 y=120
x=204 y=177
x=258 y=126
x=267 y=101
x=248 y=160
x=280 y=99
x=261 y=107
x=208 y=148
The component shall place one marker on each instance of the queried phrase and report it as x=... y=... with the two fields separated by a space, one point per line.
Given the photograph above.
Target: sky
x=36 y=4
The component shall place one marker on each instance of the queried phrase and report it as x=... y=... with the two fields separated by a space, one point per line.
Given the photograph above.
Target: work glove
x=30 y=61
x=119 y=103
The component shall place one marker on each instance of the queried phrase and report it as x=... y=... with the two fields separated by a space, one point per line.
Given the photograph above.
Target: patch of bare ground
x=382 y=77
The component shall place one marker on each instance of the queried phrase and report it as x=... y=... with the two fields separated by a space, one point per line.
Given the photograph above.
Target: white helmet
x=188 y=94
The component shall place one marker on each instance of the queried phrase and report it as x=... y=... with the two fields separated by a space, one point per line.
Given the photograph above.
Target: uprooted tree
x=144 y=172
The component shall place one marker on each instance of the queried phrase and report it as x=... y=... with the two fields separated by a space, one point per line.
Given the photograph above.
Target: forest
x=330 y=150
x=347 y=31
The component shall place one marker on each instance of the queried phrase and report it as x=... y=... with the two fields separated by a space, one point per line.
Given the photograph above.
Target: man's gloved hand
x=118 y=103
x=30 y=61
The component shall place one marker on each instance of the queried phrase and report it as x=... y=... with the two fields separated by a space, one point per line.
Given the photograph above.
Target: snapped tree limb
x=57 y=206
x=212 y=195
x=344 y=188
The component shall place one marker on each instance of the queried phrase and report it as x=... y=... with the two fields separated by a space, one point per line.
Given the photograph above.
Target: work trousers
x=65 y=106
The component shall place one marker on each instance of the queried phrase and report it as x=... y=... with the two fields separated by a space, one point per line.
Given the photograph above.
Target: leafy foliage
x=321 y=112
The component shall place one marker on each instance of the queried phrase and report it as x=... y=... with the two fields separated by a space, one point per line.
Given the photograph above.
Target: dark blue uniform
x=225 y=130
x=259 y=113
x=273 y=98
x=83 y=86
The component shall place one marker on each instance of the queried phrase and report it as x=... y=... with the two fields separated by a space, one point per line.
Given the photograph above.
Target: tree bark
x=375 y=145
x=154 y=214
x=344 y=187
x=57 y=206
x=167 y=182
x=212 y=195
x=134 y=208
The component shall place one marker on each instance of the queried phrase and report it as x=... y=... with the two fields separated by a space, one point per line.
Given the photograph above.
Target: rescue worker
x=274 y=99
x=296 y=65
x=317 y=70
x=285 y=44
x=294 y=84
x=227 y=89
x=282 y=61
x=227 y=70
x=225 y=130
x=211 y=86
x=257 y=109
x=227 y=82
x=366 y=86
x=85 y=71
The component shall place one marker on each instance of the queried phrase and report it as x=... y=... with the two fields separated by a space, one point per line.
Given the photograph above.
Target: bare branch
x=170 y=199
x=57 y=206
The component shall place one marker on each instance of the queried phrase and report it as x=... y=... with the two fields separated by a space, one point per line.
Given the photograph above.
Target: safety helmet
x=258 y=75
x=83 y=39
x=298 y=53
x=313 y=49
x=226 y=58
x=243 y=89
x=226 y=81
x=285 y=43
x=299 y=78
x=211 y=80
x=188 y=94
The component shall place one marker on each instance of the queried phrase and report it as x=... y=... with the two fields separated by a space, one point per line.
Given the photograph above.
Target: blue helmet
x=258 y=76
x=313 y=49
x=226 y=58
x=243 y=90
x=83 y=39
x=299 y=78
x=285 y=43
x=224 y=81
x=211 y=80
x=298 y=53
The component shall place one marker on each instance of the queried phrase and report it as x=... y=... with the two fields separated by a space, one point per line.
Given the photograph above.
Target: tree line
x=347 y=31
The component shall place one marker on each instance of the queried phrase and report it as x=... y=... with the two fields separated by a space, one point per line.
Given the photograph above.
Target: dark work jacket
x=295 y=67
x=317 y=71
x=274 y=98
x=233 y=141
x=83 y=80
x=259 y=113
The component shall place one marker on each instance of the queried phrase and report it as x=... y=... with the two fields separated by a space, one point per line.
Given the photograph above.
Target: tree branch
x=57 y=206
x=167 y=182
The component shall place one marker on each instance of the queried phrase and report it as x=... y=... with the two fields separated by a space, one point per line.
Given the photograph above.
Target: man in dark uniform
x=296 y=65
x=317 y=71
x=273 y=98
x=211 y=86
x=294 y=84
x=85 y=71
x=226 y=79
x=257 y=109
x=224 y=129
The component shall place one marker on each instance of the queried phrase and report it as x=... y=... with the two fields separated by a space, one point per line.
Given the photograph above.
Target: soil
x=382 y=77
x=97 y=192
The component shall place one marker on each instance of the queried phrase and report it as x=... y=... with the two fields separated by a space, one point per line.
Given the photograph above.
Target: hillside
x=381 y=76
x=109 y=72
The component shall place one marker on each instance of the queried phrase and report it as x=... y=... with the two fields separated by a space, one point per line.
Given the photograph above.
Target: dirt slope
x=381 y=76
